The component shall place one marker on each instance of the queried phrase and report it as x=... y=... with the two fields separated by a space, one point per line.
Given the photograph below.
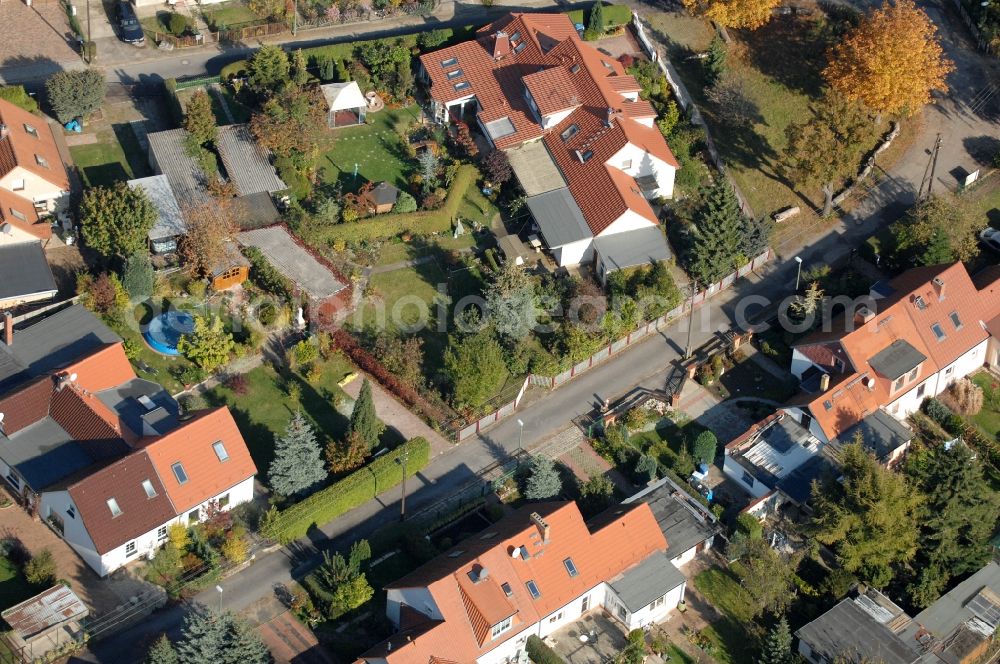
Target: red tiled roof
x=909 y=313
x=122 y=481
x=86 y=419
x=553 y=90
x=103 y=369
x=11 y=204
x=21 y=146
x=620 y=539
x=27 y=405
x=190 y=444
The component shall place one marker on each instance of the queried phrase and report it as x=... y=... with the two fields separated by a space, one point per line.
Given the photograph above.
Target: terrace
x=593 y=639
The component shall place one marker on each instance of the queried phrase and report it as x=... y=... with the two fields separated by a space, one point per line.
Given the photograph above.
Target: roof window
x=220 y=450
x=571 y=567
x=938 y=332
x=955 y=320
x=456 y=553
x=574 y=68
x=450 y=62
x=464 y=85
x=570 y=131
x=919 y=302
x=455 y=73
x=533 y=589
x=515 y=36
x=148 y=488
x=18 y=214
x=41 y=161
x=113 y=506
x=606 y=64
x=507 y=590
x=585 y=155
x=31 y=129
x=520 y=47
x=179 y=473
x=828 y=405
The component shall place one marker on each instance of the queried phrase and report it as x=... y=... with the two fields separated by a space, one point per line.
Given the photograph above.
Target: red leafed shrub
x=431 y=202
x=370 y=365
x=626 y=60
x=238 y=384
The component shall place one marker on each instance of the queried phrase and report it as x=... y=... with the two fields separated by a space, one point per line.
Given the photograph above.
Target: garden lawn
x=376 y=149
x=667 y=439
x=228 y=15
x=115 y=157
x=988 y=419
x=396 y=251
x=265 y=409
x=723 y=591
x=14 y=588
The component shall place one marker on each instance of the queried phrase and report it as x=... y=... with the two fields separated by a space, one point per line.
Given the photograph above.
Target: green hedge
x=614 y=15
x=540 y=653
x=354 y=490
x=423 y=222
x=232 y=70
x=173 y=103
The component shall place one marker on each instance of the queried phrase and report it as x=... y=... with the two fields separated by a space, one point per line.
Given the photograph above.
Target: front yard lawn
x=14 y=588
x=375 y=149
x=733 y=643
x=228 y=15
x=668 y=438
x=115 y=157
x=988 y=419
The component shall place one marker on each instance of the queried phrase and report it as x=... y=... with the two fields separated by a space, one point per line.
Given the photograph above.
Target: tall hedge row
x=354 y=490
x=423 y=222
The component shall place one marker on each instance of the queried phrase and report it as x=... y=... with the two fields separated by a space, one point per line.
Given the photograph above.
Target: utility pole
x=694 y=291
x=88 y=46
x=402 y=502
x=929 y=170
x=295 y=17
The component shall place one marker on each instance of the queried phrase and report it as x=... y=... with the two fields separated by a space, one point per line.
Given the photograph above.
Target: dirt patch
x=65 y=262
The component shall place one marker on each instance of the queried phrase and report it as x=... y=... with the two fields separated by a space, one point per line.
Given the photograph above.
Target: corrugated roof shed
x=169 y=220
x=246 y=162
x=169 y=155
x=56 y=606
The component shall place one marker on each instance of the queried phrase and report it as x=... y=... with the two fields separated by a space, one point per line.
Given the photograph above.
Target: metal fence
x=641 y=332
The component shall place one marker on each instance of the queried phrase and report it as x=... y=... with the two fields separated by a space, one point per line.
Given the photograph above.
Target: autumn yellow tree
x=749 y=14
x=211 y=225
x=891 y=61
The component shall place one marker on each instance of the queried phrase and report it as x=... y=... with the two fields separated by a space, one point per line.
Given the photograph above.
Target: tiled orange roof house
x=917 y=334
x=33 y=179
x=532 y=573
x=583 y=145
x=103 y=455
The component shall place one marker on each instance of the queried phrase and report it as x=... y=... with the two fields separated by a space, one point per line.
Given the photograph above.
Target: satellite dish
x=72 y=378
x=516 y=552
x=6 y=229
x=1 y=418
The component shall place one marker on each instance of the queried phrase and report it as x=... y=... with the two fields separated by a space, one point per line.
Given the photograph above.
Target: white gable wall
x=635 y=161
x=574 y=253
x=629 y=221
x=74 y=531
x=417 y=598
x=30 y=186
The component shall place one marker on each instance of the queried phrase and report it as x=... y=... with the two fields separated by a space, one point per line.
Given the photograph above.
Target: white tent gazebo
x=346 y=104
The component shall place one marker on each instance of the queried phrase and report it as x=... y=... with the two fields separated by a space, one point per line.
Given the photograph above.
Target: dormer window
x=450 y=62
x=457 y=73
x=113 y=506
x=585 y=155
x=464 y=85
x=502 y=627
x=147 y=486
x=570 y=131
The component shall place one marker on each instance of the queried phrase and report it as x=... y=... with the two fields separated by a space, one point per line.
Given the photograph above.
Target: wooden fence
x=469 y=429
x=229 y=35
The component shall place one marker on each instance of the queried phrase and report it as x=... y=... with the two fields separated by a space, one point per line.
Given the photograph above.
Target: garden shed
x=382 y=197
x=345 y=103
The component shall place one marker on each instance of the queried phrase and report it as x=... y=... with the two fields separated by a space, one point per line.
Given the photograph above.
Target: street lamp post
x=798 y=275
x=219 y=589
x=402 y=503
x=520 y=436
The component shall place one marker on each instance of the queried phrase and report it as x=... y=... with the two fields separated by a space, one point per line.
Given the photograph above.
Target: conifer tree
x=298 y=462
x=199 y=119
x=596 y=22
x=220 y=638
x=543 y=480
x=364 y=420
x=162 y=652
x=715 y=234
x=778 y=645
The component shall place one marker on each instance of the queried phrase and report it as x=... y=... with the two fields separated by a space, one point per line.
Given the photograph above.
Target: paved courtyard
x=593 y=639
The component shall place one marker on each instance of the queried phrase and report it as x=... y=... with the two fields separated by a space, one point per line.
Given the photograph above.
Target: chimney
x=8 y=329
x=863 y=315
x=824 y=382
x=611 y=118
x=501 y=45
x=543 y=527
x=4 y=130
x=939 y=287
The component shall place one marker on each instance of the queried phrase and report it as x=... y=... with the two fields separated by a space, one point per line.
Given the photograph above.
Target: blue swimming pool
x=164 y=331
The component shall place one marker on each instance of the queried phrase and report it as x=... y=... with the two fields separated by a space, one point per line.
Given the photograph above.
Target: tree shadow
x=105 y=174
x=984 y=149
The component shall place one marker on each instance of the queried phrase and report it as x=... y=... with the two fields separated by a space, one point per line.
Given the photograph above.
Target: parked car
x=991 y=238
x=128 y=24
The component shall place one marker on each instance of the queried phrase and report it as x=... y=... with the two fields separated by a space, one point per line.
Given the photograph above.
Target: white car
x=991 y=238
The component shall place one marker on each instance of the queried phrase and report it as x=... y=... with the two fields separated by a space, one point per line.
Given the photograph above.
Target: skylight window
x=456 y=554
x=113 y=506
x=919 y=301
x=520 y=47
x=515 y=36
x=148 y=488
x=17 y=214
x=955 y=320
x=457 y=73
x=938 y=331
x=571 y=567
x=220 y=450
x=533 y=589
x=41 y=161
x=575 y=68
x=828 y=404
x=31 y=130
x=179 y=473
x=606 y=64
x=450 y=62
x=464 y=85
x=570 y=131
x=586 y=155
x=507 y=590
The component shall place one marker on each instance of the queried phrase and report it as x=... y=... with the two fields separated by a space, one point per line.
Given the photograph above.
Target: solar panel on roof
x=986 y=606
